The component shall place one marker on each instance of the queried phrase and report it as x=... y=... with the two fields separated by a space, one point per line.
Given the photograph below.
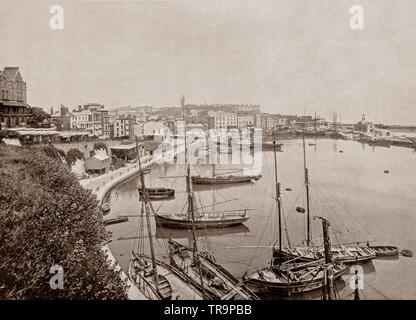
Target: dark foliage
x=52 y=152
x=72 y=155
x=100 y=145
x=47 y=219
x=37 y=116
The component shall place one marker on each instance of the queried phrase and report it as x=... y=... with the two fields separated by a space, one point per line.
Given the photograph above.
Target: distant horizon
x=287 y=56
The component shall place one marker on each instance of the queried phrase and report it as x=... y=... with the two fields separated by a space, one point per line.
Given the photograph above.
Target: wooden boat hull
x=183 y=223
x=385 y=251
x=157 y=193
x=115 y=220
x=218 y=283
x=178 y=287
x=263 y=286
x=347 y=255
x=105 y=208
x=225 y=179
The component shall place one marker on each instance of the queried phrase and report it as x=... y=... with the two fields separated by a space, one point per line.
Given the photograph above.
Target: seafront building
x=14 y=110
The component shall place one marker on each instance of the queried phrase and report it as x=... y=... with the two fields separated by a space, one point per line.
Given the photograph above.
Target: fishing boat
x=164 y=283
x=216 y=219
x=291 y=277
x=385 y=251
x=160 y=193
x=224 y=179
x=210 y=277
x=155 y=279
x=291 y=281
x=346 y=253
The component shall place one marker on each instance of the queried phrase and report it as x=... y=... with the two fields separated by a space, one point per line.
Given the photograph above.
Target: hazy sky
x=288 y=56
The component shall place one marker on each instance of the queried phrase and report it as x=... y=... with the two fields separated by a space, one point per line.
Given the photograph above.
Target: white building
x=268 y=123
x=82 y=120
x=121 y=127
x=245 y=120
x=225 y=120
x=154 y=128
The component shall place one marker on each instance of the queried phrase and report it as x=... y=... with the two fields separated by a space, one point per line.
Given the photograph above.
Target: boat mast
x=308 y=222
x=191 y=212
x=356 y=292
x=149 y=228
x=328 y=287
x=278 y=198
x=184 y=123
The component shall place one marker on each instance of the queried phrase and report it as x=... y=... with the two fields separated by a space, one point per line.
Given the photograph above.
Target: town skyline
x=275 y=54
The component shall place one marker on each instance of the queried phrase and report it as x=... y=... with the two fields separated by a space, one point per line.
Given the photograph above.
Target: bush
x=72 y=155
x=52 y=152
x=100 y=145
x=38 y=231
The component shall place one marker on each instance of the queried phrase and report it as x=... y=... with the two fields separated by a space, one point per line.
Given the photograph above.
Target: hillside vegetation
x=47 y=219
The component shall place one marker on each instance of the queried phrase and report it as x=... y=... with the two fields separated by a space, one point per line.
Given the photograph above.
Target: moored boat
x=347 y=254
x=196 y=218
x=225 y=179
x=289 y=282
x=165 y=284
x=115 y=220
x=157 y=193
x=105 y=208
x=207 y=275
x=385 y=251
x=270 y=146
x=207 y=220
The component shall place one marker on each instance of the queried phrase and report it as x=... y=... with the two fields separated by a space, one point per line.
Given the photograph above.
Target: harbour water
x=348 y=186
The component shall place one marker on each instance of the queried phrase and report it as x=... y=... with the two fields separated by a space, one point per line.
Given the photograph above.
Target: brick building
x=14 y=109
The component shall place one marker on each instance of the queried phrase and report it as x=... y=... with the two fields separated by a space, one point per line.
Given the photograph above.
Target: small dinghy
x=300 y=209
x=406 y=253
x=385 y=251
x=105 y=208
x=115 y=220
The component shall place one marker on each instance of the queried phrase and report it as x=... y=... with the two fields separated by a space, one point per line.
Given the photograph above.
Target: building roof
x=33 y=132
x=11 y=142
x=101 y=156
x=124 y=147
x=9 y=72
x=151 y=145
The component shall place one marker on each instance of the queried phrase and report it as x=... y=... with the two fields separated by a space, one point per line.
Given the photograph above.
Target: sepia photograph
x=207 y=150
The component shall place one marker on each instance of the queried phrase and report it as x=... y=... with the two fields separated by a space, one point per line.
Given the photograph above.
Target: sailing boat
x=217 y=219
x=201 y=269
x=290 y=277
x=224 y=179
x=346 y=253
x=154 y=278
